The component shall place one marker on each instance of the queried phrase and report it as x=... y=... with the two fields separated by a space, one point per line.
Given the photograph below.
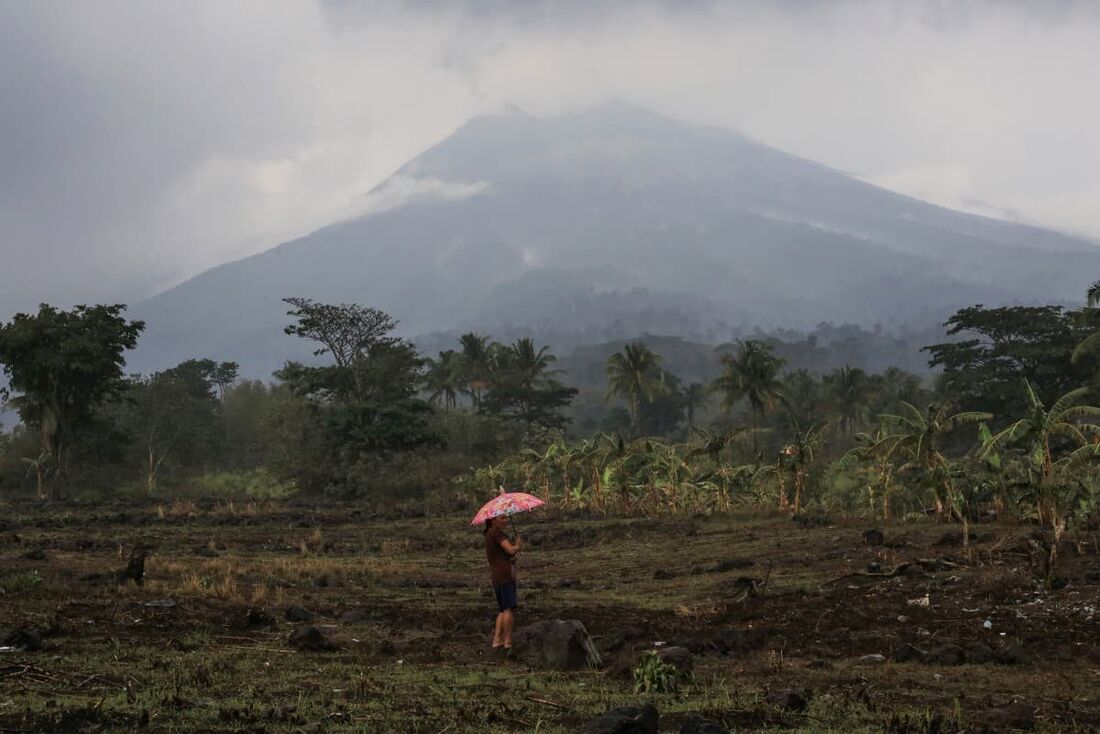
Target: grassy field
x=202 y=645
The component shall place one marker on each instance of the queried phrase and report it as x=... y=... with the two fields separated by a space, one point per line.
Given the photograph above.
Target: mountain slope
x=593 y=224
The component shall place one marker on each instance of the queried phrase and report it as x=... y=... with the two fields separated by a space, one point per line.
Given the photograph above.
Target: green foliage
x=19 y=582
x=523 y=387
x=1003 y=346
x=751 y=374
x=63 y=365
x=635 y=375
x=258 y=484
x=654 y=675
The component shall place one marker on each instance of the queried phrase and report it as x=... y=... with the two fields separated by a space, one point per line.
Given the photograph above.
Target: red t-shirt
x=501 y=566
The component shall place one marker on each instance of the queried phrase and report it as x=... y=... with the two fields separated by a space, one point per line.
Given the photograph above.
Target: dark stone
x=787 y=699
x=1093 y=577
x=663 y=574
x=874 y=567
x=385 y=647
x=310 y=639
x=569 y=584
x=22 y=639
x=36 y=554
x=357 y=616
x=300 y=614
x=1012 y=654
x=256 y=618
x=873 y=537
x=906 y=653
x=698 y=725
x=947 y=655
x=978 y=653
x=557 y=644
x=321 y=582
x=678 y=657
x=732 y=564
x=624 y=720
x=1017 y=716
x=819 y=664
x=954 y=537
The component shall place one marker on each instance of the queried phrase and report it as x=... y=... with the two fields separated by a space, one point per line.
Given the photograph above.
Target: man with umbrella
x=501 y=554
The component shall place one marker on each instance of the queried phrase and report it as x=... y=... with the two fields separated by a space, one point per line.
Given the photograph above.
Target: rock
x=947 y=655
x=872 y=659
x=569 y=584
x=1012 y=654
x=22 y=639
x=678 y=657
x=731 y=564
x=357 y=616
x=159 y=604
x=1015 y=716
x=978 y=653
x=819 y=664
x=787 y=699
x=300 y=614
x=311 y=639
x=321 y=582
x=874 y=567
x=662 y=574
x=699 y=725
x=256 y=618
x=873 y=537
x=557 y=644
x=36 y=554
x=906 y=653
x=624 y=720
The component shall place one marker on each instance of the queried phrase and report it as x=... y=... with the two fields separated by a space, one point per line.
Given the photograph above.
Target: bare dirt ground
x=780 y=617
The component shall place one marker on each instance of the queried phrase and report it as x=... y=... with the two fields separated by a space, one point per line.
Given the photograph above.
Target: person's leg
x=508 y=620
x=498 y=632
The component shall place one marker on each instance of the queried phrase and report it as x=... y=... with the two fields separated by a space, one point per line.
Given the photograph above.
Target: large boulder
x=558 y=644
x=312 y=639
x=624 y=720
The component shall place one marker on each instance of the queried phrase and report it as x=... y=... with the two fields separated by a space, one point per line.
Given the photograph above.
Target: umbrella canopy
x=506 y=504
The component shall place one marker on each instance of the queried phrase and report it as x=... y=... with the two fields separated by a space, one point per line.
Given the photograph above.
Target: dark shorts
x=507 y=596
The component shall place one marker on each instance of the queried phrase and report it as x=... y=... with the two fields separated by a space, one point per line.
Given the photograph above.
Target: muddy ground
x=970 y=640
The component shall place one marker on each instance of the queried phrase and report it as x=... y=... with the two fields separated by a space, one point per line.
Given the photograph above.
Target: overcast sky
x=141 y=143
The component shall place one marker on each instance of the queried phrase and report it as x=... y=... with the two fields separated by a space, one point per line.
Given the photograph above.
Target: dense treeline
x=1006 y=424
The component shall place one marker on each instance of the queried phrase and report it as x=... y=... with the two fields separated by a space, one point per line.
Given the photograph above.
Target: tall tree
x=63 y=365
x=751 y=374
x=524 y=387
x=696 y=396
x=443 y=379
x=477 y=357
x=366 y=402
x=1003 y=346
x=849 y=390
x=177 y=418
x=635 y=375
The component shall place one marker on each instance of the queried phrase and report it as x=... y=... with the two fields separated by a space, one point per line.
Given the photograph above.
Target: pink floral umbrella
x=506 y=504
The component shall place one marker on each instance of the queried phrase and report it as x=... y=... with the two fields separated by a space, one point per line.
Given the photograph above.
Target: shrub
x=654 y=675
x=254 y=483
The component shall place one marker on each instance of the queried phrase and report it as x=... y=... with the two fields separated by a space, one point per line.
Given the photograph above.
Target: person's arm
x=509 y=547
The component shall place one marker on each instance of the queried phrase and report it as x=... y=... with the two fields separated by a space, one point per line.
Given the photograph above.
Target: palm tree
x=444 y=379
x=799 y=456
x=1091 y=342
x=696 y=396
x=751 y=374
x=634 y=374
x=1057 y=483
x=848 y=390
x=917 y=436
x=1040 y=428
x=476 y=362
